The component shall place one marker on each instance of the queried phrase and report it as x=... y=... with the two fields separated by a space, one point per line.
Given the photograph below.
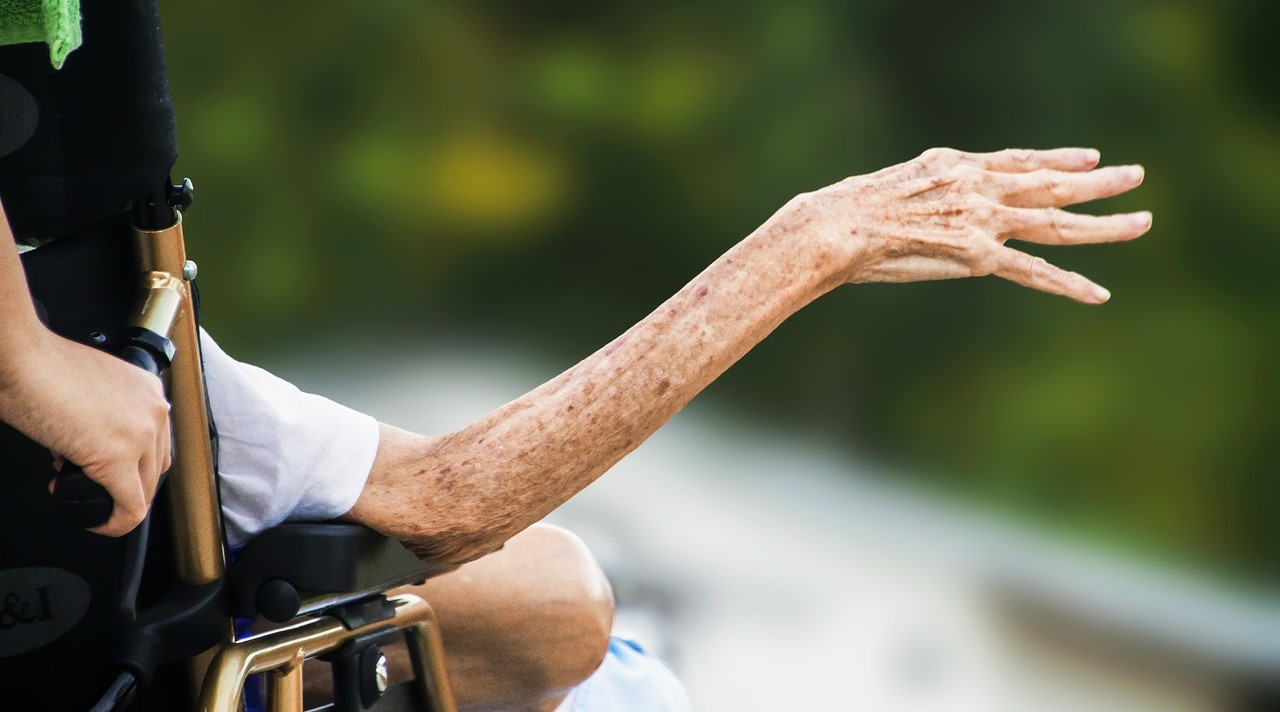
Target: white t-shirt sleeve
x=283 y=455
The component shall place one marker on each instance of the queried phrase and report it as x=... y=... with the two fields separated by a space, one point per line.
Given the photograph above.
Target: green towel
x=55 y=22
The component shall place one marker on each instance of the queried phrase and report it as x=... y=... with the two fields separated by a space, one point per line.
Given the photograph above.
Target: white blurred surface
x=775 y=576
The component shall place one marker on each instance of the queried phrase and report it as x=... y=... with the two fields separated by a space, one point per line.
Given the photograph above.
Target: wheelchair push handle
x=88 y=503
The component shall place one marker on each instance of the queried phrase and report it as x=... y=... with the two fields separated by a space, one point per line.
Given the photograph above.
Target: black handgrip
x=85 y=501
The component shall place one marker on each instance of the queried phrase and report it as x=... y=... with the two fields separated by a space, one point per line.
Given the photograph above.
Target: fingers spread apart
x=1036 y=273
x=1052 y=226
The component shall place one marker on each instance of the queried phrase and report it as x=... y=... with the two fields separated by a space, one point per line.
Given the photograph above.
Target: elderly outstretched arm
x=943 y=215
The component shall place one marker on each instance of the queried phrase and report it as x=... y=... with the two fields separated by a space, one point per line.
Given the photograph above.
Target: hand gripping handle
x=85 y=501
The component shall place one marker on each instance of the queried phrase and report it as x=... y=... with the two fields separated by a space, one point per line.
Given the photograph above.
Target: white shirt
x=283 y=455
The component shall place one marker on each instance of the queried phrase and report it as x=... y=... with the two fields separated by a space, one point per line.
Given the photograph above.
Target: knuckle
x=937 y=155
x=984 y=213
x=148 y=431
x=982 y=208
x=114 y=450
x=1055 y=220
x=967 y=178
x=970 y=175
x=1056 y=187
x=1036 y=267
x=984 y=259
x=132 y=509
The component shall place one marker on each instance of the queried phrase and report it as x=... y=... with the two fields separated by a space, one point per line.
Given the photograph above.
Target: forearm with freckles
x=945 y=214
x=456 y=497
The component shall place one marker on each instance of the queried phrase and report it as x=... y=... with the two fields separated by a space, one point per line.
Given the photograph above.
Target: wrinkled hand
x=948 y=214
x=97 y=411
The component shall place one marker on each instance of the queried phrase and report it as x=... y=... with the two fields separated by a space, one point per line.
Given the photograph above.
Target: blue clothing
x=629 y=680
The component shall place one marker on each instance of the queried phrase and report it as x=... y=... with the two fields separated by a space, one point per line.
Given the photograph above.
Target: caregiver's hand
x=949 y=213
x=97 y=411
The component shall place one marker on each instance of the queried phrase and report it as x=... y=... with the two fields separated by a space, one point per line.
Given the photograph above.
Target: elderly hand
x=948 y=214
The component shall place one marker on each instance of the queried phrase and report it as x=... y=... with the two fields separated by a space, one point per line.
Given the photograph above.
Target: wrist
x=817 y=256
x=21 y=344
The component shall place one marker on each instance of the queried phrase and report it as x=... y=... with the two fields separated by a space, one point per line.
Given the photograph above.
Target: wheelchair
x=163 y=618
x=159 y=619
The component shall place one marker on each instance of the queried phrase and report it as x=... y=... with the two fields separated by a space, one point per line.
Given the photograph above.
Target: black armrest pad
x=321 y=559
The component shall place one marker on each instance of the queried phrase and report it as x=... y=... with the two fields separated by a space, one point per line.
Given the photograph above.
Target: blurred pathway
x=772 y=575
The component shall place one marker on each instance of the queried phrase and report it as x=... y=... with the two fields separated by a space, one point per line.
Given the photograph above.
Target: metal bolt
x=181 y=196
x=380 y=674
x=189 y=270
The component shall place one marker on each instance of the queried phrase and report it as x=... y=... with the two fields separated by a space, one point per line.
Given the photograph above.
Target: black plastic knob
x=277 y=600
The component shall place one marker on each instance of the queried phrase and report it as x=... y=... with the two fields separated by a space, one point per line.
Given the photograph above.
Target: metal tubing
x=193 y=487
x=426 y=654
x=193 y=494
x=162 y=303
x=224 y=682
x=284 y=686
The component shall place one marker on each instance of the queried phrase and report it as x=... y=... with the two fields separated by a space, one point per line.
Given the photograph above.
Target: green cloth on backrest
x=54 y=22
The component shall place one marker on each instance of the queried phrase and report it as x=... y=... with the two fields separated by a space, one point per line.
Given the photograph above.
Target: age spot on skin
x=664 y=386
x=702 y=292
x=446 y=479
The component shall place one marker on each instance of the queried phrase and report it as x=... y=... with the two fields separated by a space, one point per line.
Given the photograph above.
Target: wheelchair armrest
x=300 y=568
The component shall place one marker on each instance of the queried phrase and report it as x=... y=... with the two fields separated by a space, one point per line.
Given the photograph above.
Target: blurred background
x=440 y=182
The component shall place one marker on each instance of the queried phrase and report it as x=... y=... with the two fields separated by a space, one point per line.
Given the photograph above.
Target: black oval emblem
x=37 y=605
x=18 y=115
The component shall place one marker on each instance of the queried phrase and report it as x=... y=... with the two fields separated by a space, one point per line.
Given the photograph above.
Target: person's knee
x=583 y=597
x=546 y=604
x=526 y=623
x=521 y=626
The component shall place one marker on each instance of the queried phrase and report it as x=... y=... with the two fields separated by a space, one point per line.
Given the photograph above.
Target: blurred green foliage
x=554 y=170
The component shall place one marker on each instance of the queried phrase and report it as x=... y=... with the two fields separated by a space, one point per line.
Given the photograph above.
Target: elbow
x=448 y=550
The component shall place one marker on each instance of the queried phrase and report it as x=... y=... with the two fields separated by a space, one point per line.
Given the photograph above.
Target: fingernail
x=1140 y=219
x=1134 y=173
x=1100 y=294
x=1091 y=155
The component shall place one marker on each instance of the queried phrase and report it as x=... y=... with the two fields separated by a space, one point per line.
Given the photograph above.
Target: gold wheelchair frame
x=220 y=673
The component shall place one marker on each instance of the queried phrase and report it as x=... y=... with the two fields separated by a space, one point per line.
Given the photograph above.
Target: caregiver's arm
x=946 y=214
x=96 y=410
